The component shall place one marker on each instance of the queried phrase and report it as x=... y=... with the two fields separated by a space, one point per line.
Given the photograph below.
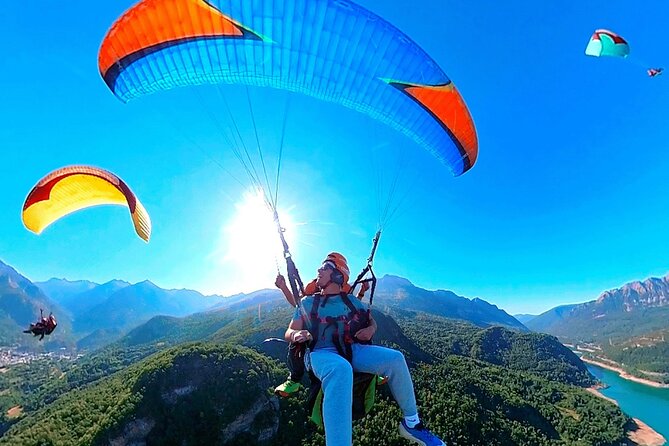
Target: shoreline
x=624 y=375
x=643 y=435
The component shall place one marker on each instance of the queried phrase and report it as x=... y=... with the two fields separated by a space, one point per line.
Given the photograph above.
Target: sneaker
x=419 y=435
x=288 y=388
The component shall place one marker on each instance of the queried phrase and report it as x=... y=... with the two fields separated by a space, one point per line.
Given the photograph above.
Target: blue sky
x=568 y=197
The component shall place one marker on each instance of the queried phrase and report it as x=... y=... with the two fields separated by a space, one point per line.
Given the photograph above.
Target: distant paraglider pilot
x=652 y=72
x=44 y=327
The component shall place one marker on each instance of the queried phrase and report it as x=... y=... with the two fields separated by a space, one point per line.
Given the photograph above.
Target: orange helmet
x=341 y=266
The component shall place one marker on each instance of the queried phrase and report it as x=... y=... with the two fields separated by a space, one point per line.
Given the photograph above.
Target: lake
x=649 y=404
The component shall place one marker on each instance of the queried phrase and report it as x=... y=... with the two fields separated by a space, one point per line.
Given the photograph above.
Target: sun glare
x=252 y=246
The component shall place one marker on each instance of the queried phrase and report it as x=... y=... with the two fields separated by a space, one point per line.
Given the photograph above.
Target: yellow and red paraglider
x=73 y=188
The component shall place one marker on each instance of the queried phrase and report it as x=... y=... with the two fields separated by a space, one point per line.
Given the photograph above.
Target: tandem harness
x=344 y=326
x=364 y=384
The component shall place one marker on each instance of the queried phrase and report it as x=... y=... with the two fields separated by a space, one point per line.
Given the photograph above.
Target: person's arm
x=372 y=323
x=365 y=334
x=296 y=333
x=280 y=283
x=364 y=286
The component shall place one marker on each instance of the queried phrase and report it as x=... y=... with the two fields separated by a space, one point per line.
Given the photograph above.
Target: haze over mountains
x=92 y=314
x=81 y=295
x=113 y=308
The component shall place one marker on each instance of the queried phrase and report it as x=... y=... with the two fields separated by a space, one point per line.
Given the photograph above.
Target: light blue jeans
x=336 y=374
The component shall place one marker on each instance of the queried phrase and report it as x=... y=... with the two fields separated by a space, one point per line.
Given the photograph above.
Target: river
x=649 y=404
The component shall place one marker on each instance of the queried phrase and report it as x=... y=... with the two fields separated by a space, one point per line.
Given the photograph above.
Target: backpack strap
x=348 y=303
x=358 y=317
x=343 y=350
x=315 y=321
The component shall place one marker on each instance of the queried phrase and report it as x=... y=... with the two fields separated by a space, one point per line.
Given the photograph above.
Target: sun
x=251 y=243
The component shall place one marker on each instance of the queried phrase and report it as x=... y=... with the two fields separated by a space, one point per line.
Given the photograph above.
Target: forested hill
x=422 y=337
x=220 y=394
x=540 y=354
x=195 y=393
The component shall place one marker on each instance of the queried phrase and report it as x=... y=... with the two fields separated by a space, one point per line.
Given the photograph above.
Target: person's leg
x=336 y=376
x=388 y=362
x=296 y=361
x=391 y=363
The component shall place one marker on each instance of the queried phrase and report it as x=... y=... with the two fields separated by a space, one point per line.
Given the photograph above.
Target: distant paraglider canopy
x=73 y=188
x=607 y=43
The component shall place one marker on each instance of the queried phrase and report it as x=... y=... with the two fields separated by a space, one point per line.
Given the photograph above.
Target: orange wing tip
x=445 y=104
x=135 y=33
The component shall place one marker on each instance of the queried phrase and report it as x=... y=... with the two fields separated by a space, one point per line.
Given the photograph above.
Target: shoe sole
x=408 y=436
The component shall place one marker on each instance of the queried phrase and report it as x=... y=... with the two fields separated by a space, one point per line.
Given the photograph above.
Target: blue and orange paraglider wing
x=333 y=50
x=73 y=188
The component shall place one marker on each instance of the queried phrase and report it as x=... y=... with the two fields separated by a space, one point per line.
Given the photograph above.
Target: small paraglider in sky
x=604 y=42
x=73 y=188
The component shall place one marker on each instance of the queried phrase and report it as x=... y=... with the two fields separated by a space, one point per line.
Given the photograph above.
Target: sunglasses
x=327 y=265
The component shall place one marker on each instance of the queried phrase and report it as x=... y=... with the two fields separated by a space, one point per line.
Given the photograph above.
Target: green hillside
x=476 y=386
x=422 y=338
x=187 y=392
x=536 y=353
x=210 y=394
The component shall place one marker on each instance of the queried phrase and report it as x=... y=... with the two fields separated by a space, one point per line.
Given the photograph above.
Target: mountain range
x=634 y=309
x=81 y=295
x=625 y=327
x=397 y=292
x=91 y=315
